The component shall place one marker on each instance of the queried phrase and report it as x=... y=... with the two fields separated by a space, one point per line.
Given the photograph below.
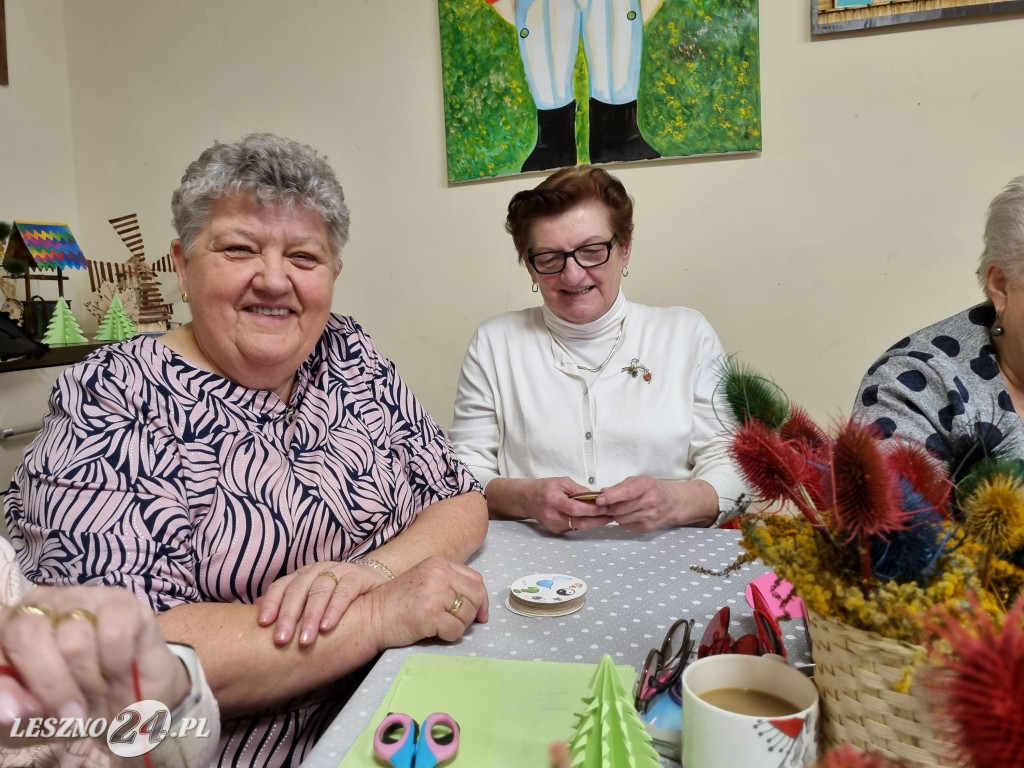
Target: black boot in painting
x=615 y=135
x=556 y=139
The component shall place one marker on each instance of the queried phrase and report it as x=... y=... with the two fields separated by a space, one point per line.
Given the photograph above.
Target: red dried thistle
x=866 y=500
x=926 y=474
x=769 y=465
x=847 y=756
x=864 y=494
x=802 y=428
x=981 y=686
x=774 y=467
x=811 y=441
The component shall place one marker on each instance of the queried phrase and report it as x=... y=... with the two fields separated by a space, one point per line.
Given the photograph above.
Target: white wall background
x=860 y=220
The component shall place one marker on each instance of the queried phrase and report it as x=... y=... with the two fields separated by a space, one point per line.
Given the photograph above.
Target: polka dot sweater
x=942 y=383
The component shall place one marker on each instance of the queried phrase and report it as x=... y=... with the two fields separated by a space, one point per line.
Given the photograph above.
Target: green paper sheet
x=508 y=711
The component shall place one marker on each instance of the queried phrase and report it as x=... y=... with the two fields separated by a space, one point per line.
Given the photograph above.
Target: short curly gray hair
x=1004 y=233
x=268 y=168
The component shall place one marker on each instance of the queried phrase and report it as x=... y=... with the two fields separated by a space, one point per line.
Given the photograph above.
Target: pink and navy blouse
x=156 y=475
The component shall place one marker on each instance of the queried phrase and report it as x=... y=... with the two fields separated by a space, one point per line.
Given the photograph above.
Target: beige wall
x=37 y=180
x=860 y=220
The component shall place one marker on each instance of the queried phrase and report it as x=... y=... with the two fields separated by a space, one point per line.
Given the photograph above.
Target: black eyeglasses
x=587 y=256
x=664 y=665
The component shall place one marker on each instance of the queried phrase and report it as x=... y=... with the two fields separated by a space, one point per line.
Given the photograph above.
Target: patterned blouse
x=172 y=481
x=942 y=384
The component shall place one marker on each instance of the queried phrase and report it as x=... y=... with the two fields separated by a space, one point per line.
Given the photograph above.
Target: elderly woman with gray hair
x=261 y=475
x=963 y=376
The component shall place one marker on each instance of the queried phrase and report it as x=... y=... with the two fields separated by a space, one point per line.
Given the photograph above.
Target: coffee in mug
x=717 y=736
x=747 y=701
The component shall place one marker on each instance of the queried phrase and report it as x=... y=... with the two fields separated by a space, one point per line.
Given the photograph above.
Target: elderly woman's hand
x=319 y=593
x=547 y=501
x=434 y=598
x=76 y=651
x=643 y=503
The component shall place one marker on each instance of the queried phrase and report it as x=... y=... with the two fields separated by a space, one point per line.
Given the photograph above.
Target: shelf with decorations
x=37 y=332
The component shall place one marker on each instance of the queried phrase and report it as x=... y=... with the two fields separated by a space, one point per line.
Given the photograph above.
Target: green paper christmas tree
x=609 y=732
x=63 y=328
x=116 y=325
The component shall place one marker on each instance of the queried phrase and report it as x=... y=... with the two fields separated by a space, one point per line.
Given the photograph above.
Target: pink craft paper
x=766 y=584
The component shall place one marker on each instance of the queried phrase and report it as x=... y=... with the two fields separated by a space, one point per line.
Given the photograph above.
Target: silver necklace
x=615 y=346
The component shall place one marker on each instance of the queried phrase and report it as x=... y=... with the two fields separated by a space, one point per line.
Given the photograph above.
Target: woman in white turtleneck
x=591 y=392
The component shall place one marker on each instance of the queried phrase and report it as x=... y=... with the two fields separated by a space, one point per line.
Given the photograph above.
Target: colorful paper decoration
x=609 y=732
x=63 y=328
x=116 y=325
x=43 y=245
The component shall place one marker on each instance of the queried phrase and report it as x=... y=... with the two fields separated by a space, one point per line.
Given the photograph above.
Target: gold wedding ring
x=77 y=613
x=454 y=610
x=34 y=609
x=572 y=525
x=330 y=575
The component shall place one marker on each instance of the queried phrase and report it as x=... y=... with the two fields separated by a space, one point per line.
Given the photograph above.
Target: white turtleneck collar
x=606 y=325
x=588 y=344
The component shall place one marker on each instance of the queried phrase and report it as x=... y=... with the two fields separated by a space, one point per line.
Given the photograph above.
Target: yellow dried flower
x=995 y=513
x=829 y=582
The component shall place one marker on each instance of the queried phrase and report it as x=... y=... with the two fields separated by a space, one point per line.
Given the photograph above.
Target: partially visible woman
x=963 y=376
x=591 y=392
x=265 y=451
x=91 y=652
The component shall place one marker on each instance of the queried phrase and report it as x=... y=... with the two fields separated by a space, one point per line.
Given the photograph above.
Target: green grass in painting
x=699 y=86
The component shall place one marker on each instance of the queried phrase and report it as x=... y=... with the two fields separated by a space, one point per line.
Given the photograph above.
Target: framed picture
x=847 y=15
x=532 y=85
x=3 y=46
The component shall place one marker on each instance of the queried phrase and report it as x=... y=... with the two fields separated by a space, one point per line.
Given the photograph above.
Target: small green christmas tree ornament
x=609 y=732
x=116 y=325
x=63 y=328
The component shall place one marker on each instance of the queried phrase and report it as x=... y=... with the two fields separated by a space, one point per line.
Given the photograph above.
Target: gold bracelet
x=376 y=565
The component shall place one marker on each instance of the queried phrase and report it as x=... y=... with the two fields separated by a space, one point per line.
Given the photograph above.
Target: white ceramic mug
x=718 y=738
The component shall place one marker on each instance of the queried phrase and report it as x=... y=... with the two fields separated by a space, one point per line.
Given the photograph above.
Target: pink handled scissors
x=403 y=743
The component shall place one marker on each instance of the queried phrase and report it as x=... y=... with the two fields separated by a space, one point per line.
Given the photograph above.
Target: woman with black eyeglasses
x=591 y=394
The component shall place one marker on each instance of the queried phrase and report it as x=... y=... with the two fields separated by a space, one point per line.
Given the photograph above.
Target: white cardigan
x=524 y=410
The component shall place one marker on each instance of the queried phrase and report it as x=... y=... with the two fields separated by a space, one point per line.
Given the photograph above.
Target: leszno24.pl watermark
x=132 y=732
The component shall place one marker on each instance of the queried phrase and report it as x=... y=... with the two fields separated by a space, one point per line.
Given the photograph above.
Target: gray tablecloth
x=637 y=585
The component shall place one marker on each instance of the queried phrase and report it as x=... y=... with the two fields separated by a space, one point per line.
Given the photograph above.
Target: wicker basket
x=855 y=672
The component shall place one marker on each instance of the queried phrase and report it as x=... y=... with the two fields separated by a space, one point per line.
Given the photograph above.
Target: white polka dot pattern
x=638 y=584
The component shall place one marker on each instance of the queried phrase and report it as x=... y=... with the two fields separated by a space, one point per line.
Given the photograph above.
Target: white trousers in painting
x=549 y=32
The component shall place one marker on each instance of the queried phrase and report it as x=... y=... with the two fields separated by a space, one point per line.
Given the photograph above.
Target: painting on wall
x=533 y=85
x=3 y=46
x=847 y=15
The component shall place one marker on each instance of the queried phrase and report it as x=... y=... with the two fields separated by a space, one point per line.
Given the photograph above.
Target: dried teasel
x=752 y=397
x=980 y=685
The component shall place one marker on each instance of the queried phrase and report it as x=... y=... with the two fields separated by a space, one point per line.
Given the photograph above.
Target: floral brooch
x=636 y=368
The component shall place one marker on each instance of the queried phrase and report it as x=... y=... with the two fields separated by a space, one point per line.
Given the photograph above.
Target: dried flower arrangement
x=979 y=692
x=883 y=531
x=899 y=557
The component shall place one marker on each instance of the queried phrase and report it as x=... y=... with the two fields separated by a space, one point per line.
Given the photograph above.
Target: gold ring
x=454 y=610
x=572 y=525
x=77 y=613
x=34 y=609
x=330 y=575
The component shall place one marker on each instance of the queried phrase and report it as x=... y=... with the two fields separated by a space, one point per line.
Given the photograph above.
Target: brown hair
x=566 y=189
